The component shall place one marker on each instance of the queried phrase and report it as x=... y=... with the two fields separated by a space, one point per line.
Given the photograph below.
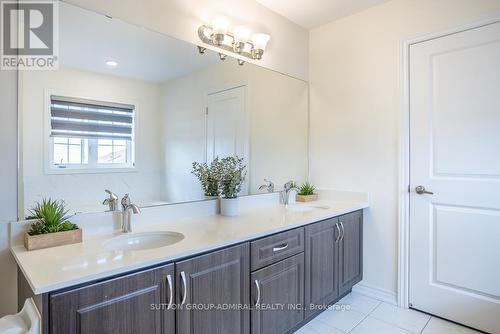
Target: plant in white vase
x=231 y=171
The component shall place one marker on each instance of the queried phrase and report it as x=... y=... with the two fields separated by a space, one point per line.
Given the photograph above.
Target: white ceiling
x=87 y=40
x=313 y=13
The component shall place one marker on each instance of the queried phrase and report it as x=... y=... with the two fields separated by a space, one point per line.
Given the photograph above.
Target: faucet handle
x=125 y=201
x=111 y=201
x=111 y=194
x=269 y=186
x=289 y=185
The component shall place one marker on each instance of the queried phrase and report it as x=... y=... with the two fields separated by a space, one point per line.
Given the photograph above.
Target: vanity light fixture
x=111 y=63
x=222 y=56
x=236 y=41
x=241 y=62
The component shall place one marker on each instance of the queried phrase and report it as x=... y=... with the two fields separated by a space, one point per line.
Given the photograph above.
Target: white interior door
x=455 y=153
x=227 y=126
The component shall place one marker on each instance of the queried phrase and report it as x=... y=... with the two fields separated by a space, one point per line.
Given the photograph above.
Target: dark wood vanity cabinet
x=333 y=260
x=216 y=293
x=321 y=265
x=132 y=304
x=278 y=296
x=350 y=251
x=211 y=282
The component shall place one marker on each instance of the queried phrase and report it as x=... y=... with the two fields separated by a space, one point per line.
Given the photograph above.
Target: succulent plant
x=51 y=216
x=307 y=189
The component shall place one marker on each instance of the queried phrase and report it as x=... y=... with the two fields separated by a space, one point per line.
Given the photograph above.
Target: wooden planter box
x=32 y=242
x=306 y=198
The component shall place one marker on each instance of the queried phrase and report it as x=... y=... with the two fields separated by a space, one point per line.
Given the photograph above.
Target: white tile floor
x=364 y=315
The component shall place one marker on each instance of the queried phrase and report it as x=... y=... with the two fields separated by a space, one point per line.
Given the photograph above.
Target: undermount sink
x=304 y=208
x=141 y=241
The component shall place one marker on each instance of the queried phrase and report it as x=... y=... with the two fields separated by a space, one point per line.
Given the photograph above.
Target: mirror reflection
x=129 y=110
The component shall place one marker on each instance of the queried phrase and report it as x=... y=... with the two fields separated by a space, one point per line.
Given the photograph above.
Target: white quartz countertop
x=60 y=267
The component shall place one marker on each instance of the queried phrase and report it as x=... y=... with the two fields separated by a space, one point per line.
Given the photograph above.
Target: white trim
x=404 y=181
x=403 y=297
x=371 y=291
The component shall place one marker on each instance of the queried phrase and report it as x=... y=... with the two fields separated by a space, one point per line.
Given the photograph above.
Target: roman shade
x=81 y=118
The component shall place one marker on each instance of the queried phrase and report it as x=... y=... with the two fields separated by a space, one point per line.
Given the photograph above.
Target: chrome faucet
x=111 y=201
x=269 y=186
x=127 y=208
x=287 y=189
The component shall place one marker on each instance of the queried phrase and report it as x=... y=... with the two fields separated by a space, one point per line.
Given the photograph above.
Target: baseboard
x=376 y=293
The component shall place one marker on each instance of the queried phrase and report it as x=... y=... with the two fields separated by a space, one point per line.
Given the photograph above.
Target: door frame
x=403 y=289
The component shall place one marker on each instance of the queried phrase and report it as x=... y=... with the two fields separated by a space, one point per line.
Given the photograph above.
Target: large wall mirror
x=130 y=110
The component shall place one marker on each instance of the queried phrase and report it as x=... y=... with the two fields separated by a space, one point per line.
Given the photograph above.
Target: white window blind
x=73 y=117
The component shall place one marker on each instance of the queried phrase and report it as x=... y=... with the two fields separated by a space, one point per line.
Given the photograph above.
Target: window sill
x=63 y=171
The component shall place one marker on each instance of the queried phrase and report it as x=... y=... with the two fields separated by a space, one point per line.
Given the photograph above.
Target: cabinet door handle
x=343 y=231
x=170 y=291
x=280 y=247
x=258 y=292
x=184 y=287
x=338 y=232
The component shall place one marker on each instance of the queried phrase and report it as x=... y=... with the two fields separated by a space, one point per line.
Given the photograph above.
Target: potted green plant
x=306 y=193
x=52 y=227
x=208 y=177
x=231 y=171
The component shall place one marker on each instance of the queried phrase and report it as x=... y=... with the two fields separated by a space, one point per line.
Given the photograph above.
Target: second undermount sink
x=305 y=208
x=142 y=241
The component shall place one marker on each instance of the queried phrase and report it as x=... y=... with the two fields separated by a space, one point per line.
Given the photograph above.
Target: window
x=88 y=135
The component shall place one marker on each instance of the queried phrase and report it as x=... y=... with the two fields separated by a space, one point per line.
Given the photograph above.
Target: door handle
x=421 y=190
x=184 y=287
x=171 y=292
x=258 y=292
x=343 y=231
x=338 y=234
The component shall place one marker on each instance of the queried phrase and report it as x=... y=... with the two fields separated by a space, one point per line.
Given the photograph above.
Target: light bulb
x=241 y=34
x=111 y=63
x=220 y=25
x=260 y=41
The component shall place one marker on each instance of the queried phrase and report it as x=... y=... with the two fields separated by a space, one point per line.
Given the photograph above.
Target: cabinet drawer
x=268 y=250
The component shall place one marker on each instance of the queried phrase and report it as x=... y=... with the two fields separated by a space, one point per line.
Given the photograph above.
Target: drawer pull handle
x=258 y=292
x=170 y=291
x=280 y=247
x=343 y=231
x=184 y=287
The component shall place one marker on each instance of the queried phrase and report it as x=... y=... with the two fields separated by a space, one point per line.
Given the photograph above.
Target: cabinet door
x=129 y=304
x=278 y=292
x=350 y=251
x=207 y=285
x=321 y=265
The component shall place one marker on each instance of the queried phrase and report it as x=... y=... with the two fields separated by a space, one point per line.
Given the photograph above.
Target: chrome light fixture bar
x=237 y=42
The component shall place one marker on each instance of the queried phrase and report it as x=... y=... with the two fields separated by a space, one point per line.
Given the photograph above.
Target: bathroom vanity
x=134 y=116
x=269 y=279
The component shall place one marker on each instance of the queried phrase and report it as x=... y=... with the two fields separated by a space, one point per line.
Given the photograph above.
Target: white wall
x=287 y=51
x=85 y=192
x=355 y=110
x=278 y=110
x=8 y=188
